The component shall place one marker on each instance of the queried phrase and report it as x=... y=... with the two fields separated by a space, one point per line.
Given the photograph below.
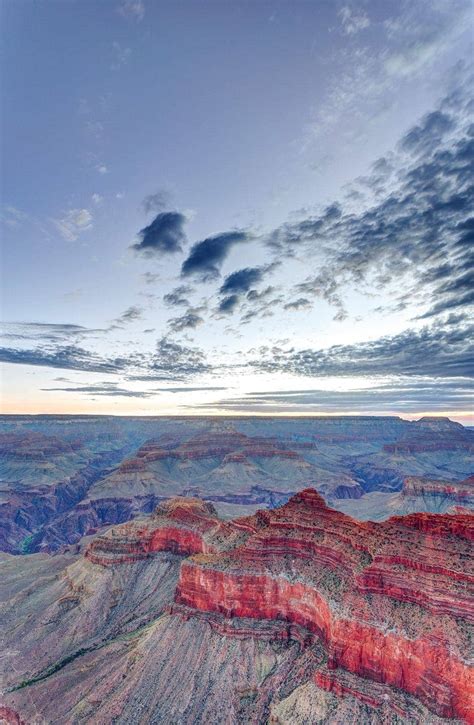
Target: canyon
x=295 y=614
x=64 y=477
x=235 y=571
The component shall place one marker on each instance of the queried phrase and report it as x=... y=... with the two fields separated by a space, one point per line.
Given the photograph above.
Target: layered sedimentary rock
x=27 y=445
x=294 y=615
x=461 y=492
x=392 y=602
x=222 y=464
x=182 y=526
x=63 y=476
x=433 y=440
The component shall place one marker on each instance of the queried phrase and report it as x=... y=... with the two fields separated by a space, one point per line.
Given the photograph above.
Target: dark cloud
x=66 y=358
x=419 y=219
x=242 y=280
x=430 y=132
x=189 y=321
x=179 y=296
x=228 y=304
x=205 y=258
x=437 y=351
x=170 y=362
x=165 y=235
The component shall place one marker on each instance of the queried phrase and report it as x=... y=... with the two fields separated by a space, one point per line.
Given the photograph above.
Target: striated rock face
x=299 y=615
x=392 y=601
x=433 y=439
x=34 y=445
x=231 y=444
x=461 y=492
x=222 y=464
x=181 y=526
x=62 y=477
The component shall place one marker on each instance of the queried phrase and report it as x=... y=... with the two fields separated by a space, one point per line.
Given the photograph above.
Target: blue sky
x=225 y=207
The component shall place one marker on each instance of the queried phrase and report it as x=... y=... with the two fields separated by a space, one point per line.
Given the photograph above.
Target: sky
x=237 y=207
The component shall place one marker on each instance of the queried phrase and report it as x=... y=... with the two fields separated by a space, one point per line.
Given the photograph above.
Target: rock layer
x=181 y=526
x=461 y=492
x=386 y=599
x=293 y=615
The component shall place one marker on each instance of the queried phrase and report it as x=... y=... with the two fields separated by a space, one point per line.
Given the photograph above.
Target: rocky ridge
x=62 y=477
x=336 y=620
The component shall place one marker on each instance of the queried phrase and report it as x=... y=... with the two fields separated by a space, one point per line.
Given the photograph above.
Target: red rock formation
x=389 y=600
x=182 y=526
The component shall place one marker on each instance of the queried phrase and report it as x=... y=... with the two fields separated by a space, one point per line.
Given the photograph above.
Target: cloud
x=438 y=351
x=102 y=169
x=423 y=137
x=12 y=217
x=189 y=321
x=206 y=258
x=178 y=360
x=131 y=314
x=188 y=389
x=402 y=397
x=178 y=296
x=73 y=223
x=283 y=239
x=422 y=33
x=452 y=301
x=69 y=357
x=150 y=277
x=300 y=304
x=417 y=219
x=353 y=21
x=103 y=389
x=242 y=280
x=121 y=55
x=401 y=49
x=170 y=361
x=324 y=286
x=134 y=9
x=157 y=202
x=260 y=304
x=238 y=283
x=47 y=331
x=228 y=304
x=255 y=296
x=165 y=235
